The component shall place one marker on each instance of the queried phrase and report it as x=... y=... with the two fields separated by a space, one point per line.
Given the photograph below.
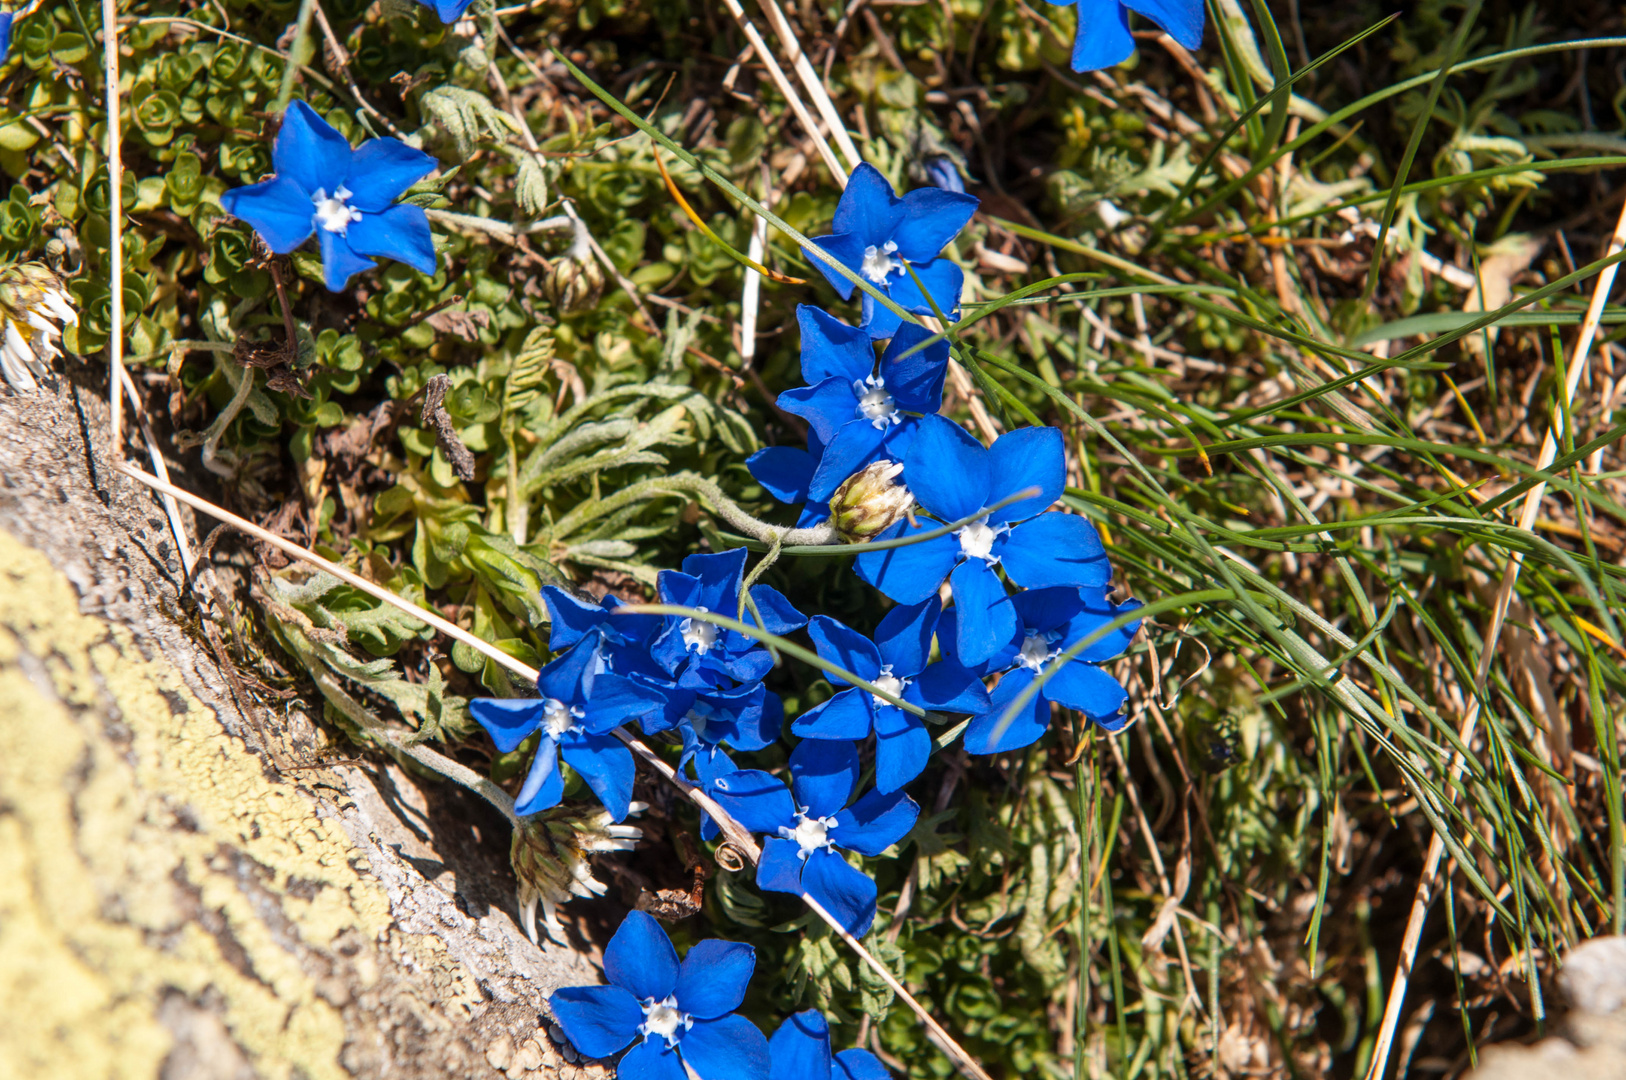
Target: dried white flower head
x=550 y=857
x=34 y=306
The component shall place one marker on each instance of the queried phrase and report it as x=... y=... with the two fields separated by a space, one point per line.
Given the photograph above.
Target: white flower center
x=811 y=833
x=333 y=213
x=880 y=261
x=1036 y=650
x=698 y=635
x=977 y=541
x=663 y=1018
x=558 y=718
x=875 y=404
x=890 y=683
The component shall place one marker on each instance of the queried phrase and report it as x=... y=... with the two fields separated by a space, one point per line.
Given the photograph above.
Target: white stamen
x=977 y=541
x=890 y=683
x=811 y=834
x=1036 y=650
x=57 y=304
x=334 y=214
x=697 y=635
x=880 y=262
x=875 y=404
x=558 y=718
x=663 y=1018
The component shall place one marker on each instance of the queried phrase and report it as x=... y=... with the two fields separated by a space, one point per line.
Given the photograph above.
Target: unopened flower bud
x=869 y=501
x=550 y=853
x=573 y=283
x=34 y=306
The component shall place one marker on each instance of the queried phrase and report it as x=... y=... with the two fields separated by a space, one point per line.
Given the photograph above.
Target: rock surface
x=172 y=906
x=1591 y=1044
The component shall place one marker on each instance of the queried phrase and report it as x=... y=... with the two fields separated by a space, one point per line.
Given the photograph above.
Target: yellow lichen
x=144 y=851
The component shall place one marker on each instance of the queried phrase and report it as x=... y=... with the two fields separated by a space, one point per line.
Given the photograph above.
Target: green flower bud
x=869 y=501
x=573 y=283
x=550 y=857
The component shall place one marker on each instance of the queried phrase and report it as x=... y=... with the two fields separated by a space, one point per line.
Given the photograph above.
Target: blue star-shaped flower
x=896 y=662
x=1050 y=621
x=955 y=477
x=344 y=196
x=448 y=11
x=876 y=233
x=700 y=655
x=677 y=1017
x=857 y=412
x=801 y=1051
x=808 y=823
x=1103 y=38
x=580 y=704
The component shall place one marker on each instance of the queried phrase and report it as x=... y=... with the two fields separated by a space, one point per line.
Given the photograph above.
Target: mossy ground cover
x=1311 y=444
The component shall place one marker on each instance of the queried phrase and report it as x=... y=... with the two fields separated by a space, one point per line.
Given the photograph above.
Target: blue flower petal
x=1050 y=610
x=309 y=151
x=1097 y=611
x=779 y=616
x=616 y=699
x=651 y=1059
x=675 y=587
x=1103 y=39
x=846 y=893
x=911 y=573
x=562 y=677
x=728 y=1048
x=1026 y=457
x=720 y=577
x=984 y=736
x=381 y=169
x=948 y=686
x=448 y=11
x=570 y=618
x=827 y=407
x=1054 y=549
x=598 y=1020
x=279 y=211
x=845 y=647
x=902 y=747
x=509 y=721
x=605 y=764
x=869 y=209
x=875 y=822
x=339 y=262
x=757 y=800
x=1183 y=19
x=784 y=471
x=986 y=620
x=397 y=232
x=845 y=717
x=801 y=1048
x=931 y=218
x=904 y=638
x=1088 y=689
x=856 y=444
x=948 y=470
x=916 y=380
x=849 y=252
x=943 y=281
x=780 y=869
x=859 y=1065
x=5 y=33
x=831 y=349
x=822 y=775
x=544 y=786
x=711 y=981
x=948 y=635
x=640 y=959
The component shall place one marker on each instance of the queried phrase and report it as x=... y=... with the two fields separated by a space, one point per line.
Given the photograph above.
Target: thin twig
x=1504 y=595
x=810 y=80
x=115 y=232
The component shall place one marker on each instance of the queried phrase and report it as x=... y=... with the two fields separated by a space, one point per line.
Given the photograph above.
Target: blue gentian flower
x=955 y=477
x=787 y=474
x=941 y=171
x=677 y=1017
x=449 y=11
x=808 y=823
x=345 y=196
x=700 y=655
x=896 y=662
x=876 y=233
x=801 y=1051
x=859 y=414
x=1050 y=621
x=580 y=704
x=1104 y=40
